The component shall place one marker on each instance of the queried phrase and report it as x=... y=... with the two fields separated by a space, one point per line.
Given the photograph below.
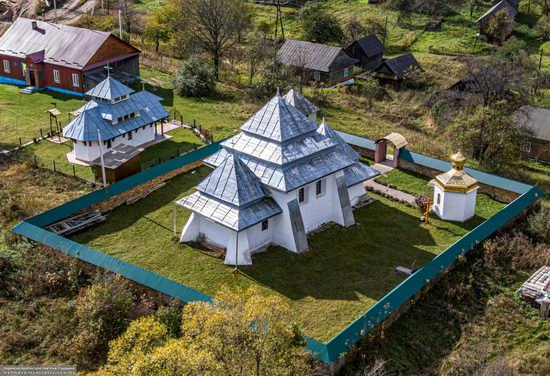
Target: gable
x=112 y=47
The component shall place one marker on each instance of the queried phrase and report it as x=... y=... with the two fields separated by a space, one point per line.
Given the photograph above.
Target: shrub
x=538 y=225
x=415 y=79
x=543 y=27
x=195 y=78
x=319 y=25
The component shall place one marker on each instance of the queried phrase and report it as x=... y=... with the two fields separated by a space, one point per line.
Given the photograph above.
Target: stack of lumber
x=76 y=223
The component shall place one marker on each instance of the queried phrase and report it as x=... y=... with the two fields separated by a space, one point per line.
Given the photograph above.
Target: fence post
x=20 y=142
x=74 y=171
x=194 y=124
x=41 y=134
x=177 y=152
x=54 y=168
x=160 y=160
x=35 y=161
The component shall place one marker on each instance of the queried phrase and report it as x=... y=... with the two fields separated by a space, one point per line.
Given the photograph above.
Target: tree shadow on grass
x=344 y=263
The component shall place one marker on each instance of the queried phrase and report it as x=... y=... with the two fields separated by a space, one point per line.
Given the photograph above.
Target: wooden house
x=119 y=162
x=537 y=121
x=510 y=9
x=63 y=58
x=394 y=70
x=322 y=63
x=368 y=51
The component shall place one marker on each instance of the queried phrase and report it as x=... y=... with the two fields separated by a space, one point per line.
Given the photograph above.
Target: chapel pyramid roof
x=109 y=89
x=301 y=103
x=278 y=121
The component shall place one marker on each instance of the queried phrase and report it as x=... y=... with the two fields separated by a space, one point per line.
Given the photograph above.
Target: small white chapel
x=280 y=178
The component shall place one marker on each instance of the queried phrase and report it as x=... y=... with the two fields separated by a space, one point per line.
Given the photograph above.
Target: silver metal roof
x=99 y=115
x=328 y=132
x=228 y=215
x=118 y=155
x=315 y=56
x=301 y=103
x=109 y=89
x=62 y=45
x=232 y=182
x=358 y=173
x=278 y=121
x=280 y=154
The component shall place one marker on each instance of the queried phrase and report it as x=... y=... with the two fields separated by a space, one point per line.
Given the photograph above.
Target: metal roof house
x=393 y=70
x=63 y=58
x=368 y=50
x=114 y=115
x=322 y=63
x=510 y=10
x=281 y=177
x=537 y=121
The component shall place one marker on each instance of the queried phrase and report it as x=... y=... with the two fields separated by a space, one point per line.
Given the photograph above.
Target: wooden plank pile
x=76 y=223
x=536 y=290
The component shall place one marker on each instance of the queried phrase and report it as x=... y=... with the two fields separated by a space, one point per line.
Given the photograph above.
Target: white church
x=116 y=115
x=280 y=178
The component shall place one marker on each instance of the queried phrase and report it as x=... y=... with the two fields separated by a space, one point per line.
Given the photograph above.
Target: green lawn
x=345 y=272
x=23 y=115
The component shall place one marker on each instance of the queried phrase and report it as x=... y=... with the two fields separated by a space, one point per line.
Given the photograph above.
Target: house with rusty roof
x=280 y=178
x=368 y=50
x=115 y=115
x=319 y=63
x=63 y=58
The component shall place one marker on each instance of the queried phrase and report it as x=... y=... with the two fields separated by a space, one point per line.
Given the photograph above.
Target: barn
x=368 y=50
x=63 y=58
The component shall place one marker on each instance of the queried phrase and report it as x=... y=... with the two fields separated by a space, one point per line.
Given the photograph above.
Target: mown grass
x=345 y=272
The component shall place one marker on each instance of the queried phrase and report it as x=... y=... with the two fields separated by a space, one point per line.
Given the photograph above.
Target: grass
x=22 y=115
x=345 y=272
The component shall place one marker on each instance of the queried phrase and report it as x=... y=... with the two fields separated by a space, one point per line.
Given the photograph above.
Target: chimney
x=34 y=25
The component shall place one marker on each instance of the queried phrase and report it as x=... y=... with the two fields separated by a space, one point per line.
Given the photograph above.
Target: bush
x=274 y=77
x=319 y=25
x=415 y=79
x=543 y=27
x=195 y=78
x=538 y=225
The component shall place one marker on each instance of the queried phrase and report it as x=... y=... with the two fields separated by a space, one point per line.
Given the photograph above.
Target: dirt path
x=71 y=11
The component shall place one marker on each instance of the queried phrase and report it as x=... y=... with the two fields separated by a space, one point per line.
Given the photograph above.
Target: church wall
x=355 y=192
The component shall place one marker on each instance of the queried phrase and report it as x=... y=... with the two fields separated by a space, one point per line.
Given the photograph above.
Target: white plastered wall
x=453 y=206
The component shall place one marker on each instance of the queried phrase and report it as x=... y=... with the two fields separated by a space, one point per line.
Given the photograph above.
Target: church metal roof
x=331 y=134
x=278 y=121
x=227 y=215
x=233 y=182
x=98 y=115
x=301 y=103
x=109 y=89
x=358 y=173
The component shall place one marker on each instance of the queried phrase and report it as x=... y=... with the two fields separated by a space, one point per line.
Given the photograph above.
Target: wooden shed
x=368 y=51
x=120 y=162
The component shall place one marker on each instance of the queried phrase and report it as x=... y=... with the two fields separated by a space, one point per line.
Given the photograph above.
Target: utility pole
x=279 y=20
x=55 y=10
x=102 y=161
x=385 y=32
x=120 y=23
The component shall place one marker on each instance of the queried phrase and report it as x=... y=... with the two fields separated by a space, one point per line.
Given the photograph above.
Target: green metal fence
x=326 y=352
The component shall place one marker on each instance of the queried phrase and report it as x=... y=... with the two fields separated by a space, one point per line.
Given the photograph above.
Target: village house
x=280 y=178
x=506 y=8
x=393 y=70
x=368 y=50
x=63 y=58
x=318 y=62
x=537 y=121
x=115 y=115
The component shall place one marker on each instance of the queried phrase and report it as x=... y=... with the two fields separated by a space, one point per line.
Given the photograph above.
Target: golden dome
x=456 y=179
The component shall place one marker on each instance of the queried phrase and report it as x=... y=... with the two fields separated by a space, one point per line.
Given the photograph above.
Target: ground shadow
x=344 y=263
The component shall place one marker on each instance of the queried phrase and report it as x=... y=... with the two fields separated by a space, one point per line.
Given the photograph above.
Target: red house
x=63 y=58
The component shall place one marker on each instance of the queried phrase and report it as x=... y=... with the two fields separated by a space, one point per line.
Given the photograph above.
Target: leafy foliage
x=538 y=225
x=240 y=332
x=319 y=25
x=195 y=78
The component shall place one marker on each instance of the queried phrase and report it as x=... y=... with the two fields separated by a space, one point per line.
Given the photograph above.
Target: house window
x=301 y=195
x=265 y=225
x=346 y=72
x=317 y=76
x=76 y=82
x=438 y=198
x=56 y=77
x=319 y=187
x=526 y=146
x=6 y=66
x=130 y=136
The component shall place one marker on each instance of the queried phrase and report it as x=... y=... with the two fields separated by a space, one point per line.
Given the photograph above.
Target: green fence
x=329 y=352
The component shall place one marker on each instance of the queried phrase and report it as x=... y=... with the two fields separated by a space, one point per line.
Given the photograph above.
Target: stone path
x=392 y=192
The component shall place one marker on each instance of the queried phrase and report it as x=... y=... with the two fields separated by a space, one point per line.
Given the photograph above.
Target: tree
x=102 y=311
x=158 y=28
x=239 y=333
x=195 y=78
x=488 y=134
x=214 y=26
x=543 y=27
x=258 y=50
x=319 y=25
x=497 y=26
x=354 y=29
